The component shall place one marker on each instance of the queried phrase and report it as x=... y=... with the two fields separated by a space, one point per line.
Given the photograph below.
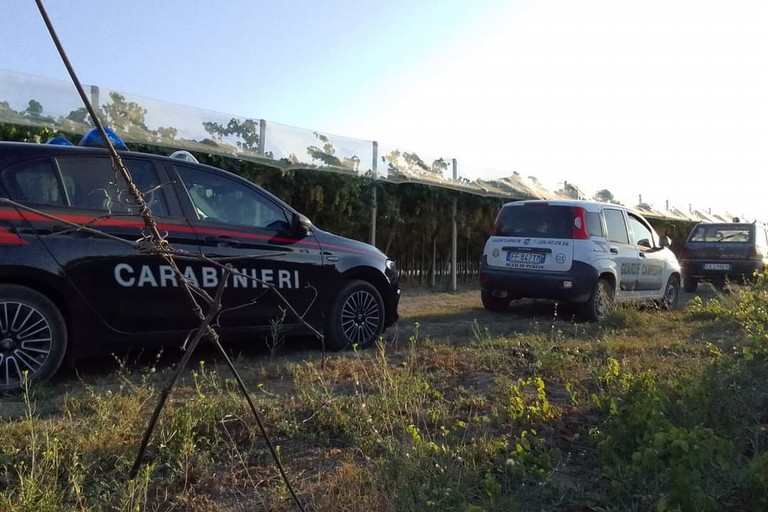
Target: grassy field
x=456 y=409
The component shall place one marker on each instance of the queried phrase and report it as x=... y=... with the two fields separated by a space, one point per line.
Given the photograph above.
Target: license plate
x=717 y=266
x=525 y=257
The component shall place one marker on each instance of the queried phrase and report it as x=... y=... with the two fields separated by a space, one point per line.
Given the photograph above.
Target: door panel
x=624 y=253
x=238 y=225
x=122 y=285
x=651 y=258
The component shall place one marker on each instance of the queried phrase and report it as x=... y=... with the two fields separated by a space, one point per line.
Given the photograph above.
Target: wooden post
x=454 y=235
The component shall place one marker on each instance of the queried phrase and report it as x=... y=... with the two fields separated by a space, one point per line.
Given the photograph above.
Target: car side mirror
x=665 y=241
x=300 y=224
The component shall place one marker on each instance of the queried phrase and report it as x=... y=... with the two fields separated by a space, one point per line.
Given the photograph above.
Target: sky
x=664 y=101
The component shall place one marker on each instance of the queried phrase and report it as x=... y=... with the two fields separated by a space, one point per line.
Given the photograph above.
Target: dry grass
x=458 y=409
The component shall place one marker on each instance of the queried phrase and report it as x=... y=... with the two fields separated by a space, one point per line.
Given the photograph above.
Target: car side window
x=761 y=237
x=91 y=182
x=641 y=234
x=35 y=183
x=615 y=226
x=84 y=182
x=219 y=198
x=594 y=225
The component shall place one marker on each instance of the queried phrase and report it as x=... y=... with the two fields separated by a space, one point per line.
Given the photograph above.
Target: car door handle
x=614 y=250
x=222 y=241
x=642 y=255
x=328 y=256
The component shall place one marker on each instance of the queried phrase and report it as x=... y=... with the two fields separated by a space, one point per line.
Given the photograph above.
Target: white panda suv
x=586 y=253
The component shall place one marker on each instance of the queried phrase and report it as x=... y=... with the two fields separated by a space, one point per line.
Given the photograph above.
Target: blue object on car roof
x=60 y=140
x=93 y=139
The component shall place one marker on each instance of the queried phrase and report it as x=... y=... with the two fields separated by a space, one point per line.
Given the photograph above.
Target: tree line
x=413 y=220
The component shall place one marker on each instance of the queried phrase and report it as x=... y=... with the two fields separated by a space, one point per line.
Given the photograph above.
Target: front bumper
x=736 y=270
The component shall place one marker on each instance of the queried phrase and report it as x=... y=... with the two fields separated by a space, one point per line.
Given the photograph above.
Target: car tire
x=600 y=303
x=33 y=337
x=357 y=317
x=671 y=293
x=690 y=284
x=492 y=303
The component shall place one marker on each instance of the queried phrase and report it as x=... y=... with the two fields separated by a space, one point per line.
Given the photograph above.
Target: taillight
x=754 y=255
x=580 y=224
x=685 y=254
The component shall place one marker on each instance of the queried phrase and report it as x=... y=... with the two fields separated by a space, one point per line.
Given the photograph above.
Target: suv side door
x=125 y=287
x=624 y=253
x=237 y=223
x=652 y=258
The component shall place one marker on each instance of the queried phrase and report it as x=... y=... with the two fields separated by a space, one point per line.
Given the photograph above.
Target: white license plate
x=525 y=257
x=717 y=266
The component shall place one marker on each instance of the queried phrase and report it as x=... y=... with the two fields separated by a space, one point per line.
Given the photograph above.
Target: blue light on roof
x=60 y=140
x=93 y=139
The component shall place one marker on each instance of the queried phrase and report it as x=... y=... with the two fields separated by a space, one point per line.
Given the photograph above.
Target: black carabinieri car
x=68 y=292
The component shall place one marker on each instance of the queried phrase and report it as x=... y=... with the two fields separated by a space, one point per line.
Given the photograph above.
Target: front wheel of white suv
x=671 y=293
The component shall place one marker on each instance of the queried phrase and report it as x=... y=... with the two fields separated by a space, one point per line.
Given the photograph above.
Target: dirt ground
x=450 y=316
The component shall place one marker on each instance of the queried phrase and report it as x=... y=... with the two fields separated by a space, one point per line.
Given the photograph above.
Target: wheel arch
x=53 y=288
x=380 y=282
x=608 y=276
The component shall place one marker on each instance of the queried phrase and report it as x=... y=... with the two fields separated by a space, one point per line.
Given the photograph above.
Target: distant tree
x=79 y=115
x=570 y=191
x=327 y=155
x=34 y=112
x=125 y=116
x=34 y=108
x=604 y=195
x=246 y=131
x=167 y=133
x=410 y=165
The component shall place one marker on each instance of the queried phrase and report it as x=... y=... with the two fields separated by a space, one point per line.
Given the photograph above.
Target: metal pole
x=454 y=235
x=374 y=168
x=95 y=100
x=262 y=136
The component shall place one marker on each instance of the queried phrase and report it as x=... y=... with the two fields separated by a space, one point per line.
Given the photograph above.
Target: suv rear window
x=721 y=233
x=542 y=221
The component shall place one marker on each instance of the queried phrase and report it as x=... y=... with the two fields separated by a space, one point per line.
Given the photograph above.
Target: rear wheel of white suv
x=33 y=337
x=600 y=303
x=492 y=303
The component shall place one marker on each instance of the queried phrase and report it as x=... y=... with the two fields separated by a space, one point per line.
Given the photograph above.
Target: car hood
x=329 y=240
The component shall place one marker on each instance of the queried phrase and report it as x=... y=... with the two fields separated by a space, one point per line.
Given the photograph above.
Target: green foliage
x=678 y=467
x=748 y=307
x=752 y=313
x=712 y=309
x=528 y=404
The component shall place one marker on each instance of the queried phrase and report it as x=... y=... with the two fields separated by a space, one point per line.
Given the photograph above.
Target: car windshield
x=721 y=233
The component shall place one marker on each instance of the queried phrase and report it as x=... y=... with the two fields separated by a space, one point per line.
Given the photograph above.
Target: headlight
x=391 y=266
